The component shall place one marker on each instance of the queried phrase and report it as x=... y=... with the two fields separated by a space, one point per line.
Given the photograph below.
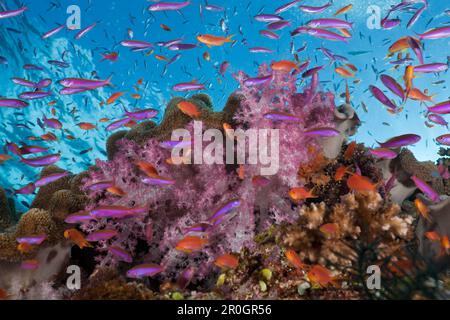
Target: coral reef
x=7 y=211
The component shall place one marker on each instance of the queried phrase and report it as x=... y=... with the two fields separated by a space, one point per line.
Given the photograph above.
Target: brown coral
x=6 y=214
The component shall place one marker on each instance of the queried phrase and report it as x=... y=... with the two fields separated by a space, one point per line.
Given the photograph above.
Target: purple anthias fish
x=70 y=91
x=185 y=278
x=325 y=34
x=416 y=47
x=437 y=119
x=59 y=64
x=52 y=123
x=29 y=265
x=52 y=32
x=84 y=31
x=34 y=240
x=268 y=18
x=79 y=217
x=84 y=83
x=444 y=139
x=260 y=50
x=322 y=132
x=416 y=16
x=211 y=7
x=100 y=186
x=136 y=44
x=188 y=86
x=120 y=254
x=426 y=189
x=116 y=211
x=170 y=144
x=28 y=189
x=34 y=95
x=383 y=153
x=390 y=23
x=168 y=6
x=440 y=108
x=269 y=34
x=13 y=148
x=42 y=161
x=12 y=13
x=400 y=141
x=44 y=83
x=159 y=181
x=141 y=114
x=50 y=178
x=330 y=23
x=431 y=68
x=118 y=124
x=250 y=82
x=278 y=25
x=144 y=270
x=286 y=6
x=436 y=33
x=31 y=149
x=312 y=71
x=223 y=67
x=13 y=103
x=24 y=82
x=224 y=210
x=182 y=46
x=32 y=67
x=101 y=235
x=199 y=227
x=281 y=116
x=311 y=9
x=380 y=96
x=393 y=86
x=167 y=44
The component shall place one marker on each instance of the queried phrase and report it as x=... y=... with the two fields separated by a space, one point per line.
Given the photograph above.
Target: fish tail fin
x=229 y=38
x=108 y=81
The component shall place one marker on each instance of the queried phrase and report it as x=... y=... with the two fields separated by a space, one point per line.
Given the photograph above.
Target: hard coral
x=7 y=214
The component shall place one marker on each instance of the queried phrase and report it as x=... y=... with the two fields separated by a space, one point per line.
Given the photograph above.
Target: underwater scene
x=224 y=150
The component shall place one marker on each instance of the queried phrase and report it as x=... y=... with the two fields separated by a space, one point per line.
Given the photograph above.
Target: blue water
x=20 y=43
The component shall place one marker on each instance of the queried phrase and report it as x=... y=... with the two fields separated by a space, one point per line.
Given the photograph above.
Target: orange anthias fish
x=347 y=94
x=77 y=237
x=433 y=236
x=422 y=208
x=147 y=168
x=4 y=157
x=191 y=244
x=329 y=228
x=211 y=40
x=416 y=94
x=136 y=96
x=189 y=109
x=227 y=261
x=161 y=57
x=400 y=45
x=24 y=247
x=340 y=173
x=320 y=275
x=348 y=154
x=165 y=27
x=87 y=126
x=408 y=79
x=445 y=245
x=343 y=10
x=345 y=33
x=49 y=137
x=344 y=72
x=104 y=120
x=207 y=56
x=284 y=66
x=294 y=259
x=116 y=191
x=301 y=193
x=352 y=66
x=241 y=172
x=360 y=183
x=114 y=97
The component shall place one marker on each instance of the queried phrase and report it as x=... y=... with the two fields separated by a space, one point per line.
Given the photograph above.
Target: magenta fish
x=325 y=34
x=393 y=86
x=34 y=240
x=28 y=189
x=322 y=132
x=400 y=141
x=281 y=116
x=269 y=34
x=431 y=68
x=84 y=31
x=416 y=16
x=416 y=46
x=224 y=210
x=52 y=32
x=437 y=119
x=330 y=23
x=383 y=153
x=157 y=180
x=188 y=86
x=260 y=50
x=144 y=270
x=141 y=114
x=13 y=103
x=380 y=96
x=426 y=189
x=185 y=278
x=29 y=265
x=311 y=9
x=444 y=139
x=436 y=33
x=268 y=18
x=31 y=149
x=168 y=6
x=79 y=217
x=50 y=178
x=440 y=108
x=278 y=25
x=100 y=186
x=182 y=46
x=117 y=124
x=199 y=227
x=120 y=254
x=70 y=91
x=101 y=235
x=250 y=82
x=136 y=44
x=24 y=82
x=390 y=23
x=52 y=123
x=286 y=6
x=116 y=211
x=223 y=67
x=34 y=95
x=42 y=161
x=84 y=83
x=170 y=144
x=12 y=13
